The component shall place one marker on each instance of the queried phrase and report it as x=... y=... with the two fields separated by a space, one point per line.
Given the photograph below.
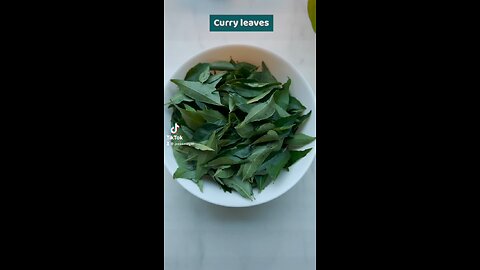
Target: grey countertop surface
x=279 y=234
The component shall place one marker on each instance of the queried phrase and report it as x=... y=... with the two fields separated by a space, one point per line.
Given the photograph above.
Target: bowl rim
x=309 y=89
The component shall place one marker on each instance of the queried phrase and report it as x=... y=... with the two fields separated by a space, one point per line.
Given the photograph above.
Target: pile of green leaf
x=238 y=126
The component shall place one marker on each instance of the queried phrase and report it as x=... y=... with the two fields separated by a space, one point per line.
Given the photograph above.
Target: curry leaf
x=199 y=91
x=225 y=160
x=264 y=75
x=179 y=98
x=296 y=155
x=221 y=65
x=192 y=119
x=244 y=188
x=183 y=172
x=200 y=146
x=299 y=140
x=257 y=98
x=270 y=136
x=260 y=111
x=213 y=116
x=282 y=96
x=294 y=106
x=199 y=73
x=276 y=164
x=224 y=173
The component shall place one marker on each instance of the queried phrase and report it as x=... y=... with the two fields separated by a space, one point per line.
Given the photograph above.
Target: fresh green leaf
x=299 y=140
x=257 y=98
x=198 y=73
x=255 y=160
x=225 y=160
x=221 y=65
x=183 y=172
x=264 y=75
x=270 y=136
x=282 y=96
x=200 y=184
x=179 y=97
x=276 y=164
x=296 y=155
x=199 y=91
x=224 y=173
x=213 y=116
x=245 y=130
x=262 y=181
x=192 y=119
x=244 y=188
x=260 y=111
x=200 y=146
x=294 y=106
x=281 y=112
x=215 y=77
x=264 y=128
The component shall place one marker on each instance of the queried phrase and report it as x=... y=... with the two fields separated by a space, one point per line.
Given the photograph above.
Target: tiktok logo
x=175 y=128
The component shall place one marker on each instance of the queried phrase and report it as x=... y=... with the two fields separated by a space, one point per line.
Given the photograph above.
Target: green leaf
x=213 y=116
x=200 y=146
x=179 y=97
x=270 y=136
x=264 y=128
x=264 y=75
x=246 y=130
x=257 y=98
x=200 y=184
x=204 y=132
x=260 y=111
x=299 y=121
x=244 y=188
x=286 y=121
x=276 y=164
x=215 y=77
x=281 y=112
x=244 y=69
x=225 y=160
x=238 y=101
x=206 y=156
x=240 y=151
x=296 y=155
x=299 y=140
x=262 y=181
x=192 y=119
x=199 y=73
x=247 y=91
x=255 y=84
x=183 y=172
x=282 y=96
x=199 y=91
x=258 y=156
x=221 y=65
x=224 y=173
x=181 y=159
x=294 y=106
x=189 y=108
x=312 y=13
x=201 y=105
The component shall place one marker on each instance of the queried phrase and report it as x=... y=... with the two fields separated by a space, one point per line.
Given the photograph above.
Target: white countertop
x=276 y=235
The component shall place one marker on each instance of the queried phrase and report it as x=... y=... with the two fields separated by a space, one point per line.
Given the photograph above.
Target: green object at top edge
x=312 y=13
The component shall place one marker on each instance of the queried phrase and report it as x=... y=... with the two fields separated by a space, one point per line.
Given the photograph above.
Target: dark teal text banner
x=241 y=23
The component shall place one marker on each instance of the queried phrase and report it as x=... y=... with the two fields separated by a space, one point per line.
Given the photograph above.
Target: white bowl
x=299 y=88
